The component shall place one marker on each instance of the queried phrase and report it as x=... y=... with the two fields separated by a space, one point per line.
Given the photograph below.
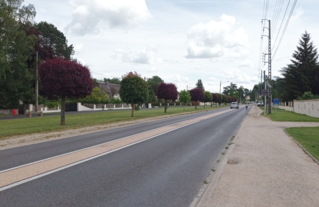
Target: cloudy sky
x=179 y=40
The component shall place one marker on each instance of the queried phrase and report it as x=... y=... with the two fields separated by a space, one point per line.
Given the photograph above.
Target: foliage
x=208 y=97
x=302 y=74
x=215 y=97
x=152 y=84
x=113 y=80
x=133 y=89
x=184 y=96
x=16 y=47
x=200 y=85
x=166 y=91
x=220 y=98
x=227 y=89
x=308 y=96
x=64 y=79
x=197 y=94
x=52 y=43
x=116 y=101
x=97 y=96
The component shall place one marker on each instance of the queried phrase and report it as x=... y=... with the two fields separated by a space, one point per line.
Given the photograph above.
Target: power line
x=291 y=12
x=281 y=24
x=277 y=17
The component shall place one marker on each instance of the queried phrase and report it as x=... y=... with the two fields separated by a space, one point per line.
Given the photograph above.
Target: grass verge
x=52 y=123
x=308 y=137
x=289 y=116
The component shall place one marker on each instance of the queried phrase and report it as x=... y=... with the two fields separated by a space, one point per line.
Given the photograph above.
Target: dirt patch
x=233 y=161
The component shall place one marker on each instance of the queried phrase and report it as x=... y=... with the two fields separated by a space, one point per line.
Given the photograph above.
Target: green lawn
x=4 y=115
x=308 y=137
x=52 y=123
x=289 y=116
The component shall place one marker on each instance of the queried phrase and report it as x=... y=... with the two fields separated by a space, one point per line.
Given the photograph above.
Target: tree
x=200 y=85
x=15 y=50
x=64 y=79
x=113 y=80
x=185 y=97
x=302 y=74
x=197 y=94
x=207 y=98
x=97 y=96
x=308 y=96
x=152 y=85
x=133 y=90
x=220 y=99
x=166 y=91
x=215 y=97
x=227 y=89
x=225 y=99
x=52 y=43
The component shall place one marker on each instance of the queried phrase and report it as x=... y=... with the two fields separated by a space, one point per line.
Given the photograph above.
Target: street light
x=220 y=87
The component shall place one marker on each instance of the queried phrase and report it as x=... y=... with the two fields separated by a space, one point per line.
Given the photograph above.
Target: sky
x=181 y=41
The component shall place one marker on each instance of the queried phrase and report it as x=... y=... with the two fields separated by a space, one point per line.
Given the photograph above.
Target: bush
x=308 y=96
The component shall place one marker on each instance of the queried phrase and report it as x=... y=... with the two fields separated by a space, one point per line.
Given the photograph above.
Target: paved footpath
x=265 y=167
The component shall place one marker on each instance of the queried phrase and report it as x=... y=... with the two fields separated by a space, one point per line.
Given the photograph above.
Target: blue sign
x=276 y=102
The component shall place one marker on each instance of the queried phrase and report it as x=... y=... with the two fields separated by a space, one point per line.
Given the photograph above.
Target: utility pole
x=269 y=67
x=265 y=105
x=36 y=81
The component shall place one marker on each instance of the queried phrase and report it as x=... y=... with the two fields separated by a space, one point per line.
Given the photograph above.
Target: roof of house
x=110 y=88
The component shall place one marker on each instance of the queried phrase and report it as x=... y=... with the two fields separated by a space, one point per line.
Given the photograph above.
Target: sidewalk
x=265 y=167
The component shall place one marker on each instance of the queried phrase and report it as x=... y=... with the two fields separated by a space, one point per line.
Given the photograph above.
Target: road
x=166 y=169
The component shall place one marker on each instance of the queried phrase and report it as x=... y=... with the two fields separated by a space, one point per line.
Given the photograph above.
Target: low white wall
x=308 y=107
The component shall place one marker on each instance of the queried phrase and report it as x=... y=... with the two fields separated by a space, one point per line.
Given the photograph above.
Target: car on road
x=260 y=103
x=234 y=105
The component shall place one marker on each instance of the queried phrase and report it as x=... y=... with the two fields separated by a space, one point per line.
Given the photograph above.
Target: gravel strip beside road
x=267 y=168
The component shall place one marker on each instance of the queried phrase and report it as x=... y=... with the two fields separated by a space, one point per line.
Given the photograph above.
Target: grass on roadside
x=308 y=137
x=289 y=116
x=52 y=123
x=4 y=115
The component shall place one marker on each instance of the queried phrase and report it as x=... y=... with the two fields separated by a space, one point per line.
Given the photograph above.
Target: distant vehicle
x=260 y=103
x=234 y=105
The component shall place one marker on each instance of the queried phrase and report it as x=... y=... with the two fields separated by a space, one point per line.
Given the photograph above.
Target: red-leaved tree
x=166 y=91
x=64 y=79
x=197 y=94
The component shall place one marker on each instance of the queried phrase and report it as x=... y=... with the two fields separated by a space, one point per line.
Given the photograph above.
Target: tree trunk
x=204 y=104
x=195 y=104
x=133 y=107
x=165 y=106
x=63 y=111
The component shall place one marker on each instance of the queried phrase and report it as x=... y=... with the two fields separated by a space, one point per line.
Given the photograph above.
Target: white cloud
x=217 y=39
x=237 y=76
x=78 y=48
x=297 y=15
x=146 y=56
x=181 y=79
x=246 y=63
x=88 y=14
x=152 y=70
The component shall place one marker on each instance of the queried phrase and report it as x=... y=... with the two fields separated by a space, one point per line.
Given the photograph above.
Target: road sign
x=276 y=102
x=264 y=92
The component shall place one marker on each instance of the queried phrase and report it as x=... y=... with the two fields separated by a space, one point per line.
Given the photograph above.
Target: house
x=112 y=90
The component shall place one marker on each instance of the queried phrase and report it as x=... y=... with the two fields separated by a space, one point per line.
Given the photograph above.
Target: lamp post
x=220 y=86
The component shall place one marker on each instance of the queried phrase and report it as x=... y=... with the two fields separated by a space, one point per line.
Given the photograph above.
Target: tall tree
x=197 y=94
x=166 y=91
x=113 y=80
x=133 y=90
x=65 y=79
x=200 y=85
x=15 y=50
x=52 y=42
x=227 y=89
x=302 y=74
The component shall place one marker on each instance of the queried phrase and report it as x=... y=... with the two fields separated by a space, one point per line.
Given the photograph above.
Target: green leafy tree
x=97 y=96
x=200 y=85
x=220 y=99
x=152 y=85
x=308 y=96
x=208 y=97
x=184 y=97
x=227 y=89
x=15 y=49
x=52 y=42
x=133 y=90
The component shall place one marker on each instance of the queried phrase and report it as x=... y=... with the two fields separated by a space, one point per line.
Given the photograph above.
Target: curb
x=214 y=177
x=312 y=157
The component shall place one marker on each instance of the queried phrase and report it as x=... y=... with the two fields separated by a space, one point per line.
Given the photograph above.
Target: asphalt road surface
x=167 y=170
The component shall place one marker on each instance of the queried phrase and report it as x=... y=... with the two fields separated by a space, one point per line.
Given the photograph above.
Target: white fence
x=308 y=107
